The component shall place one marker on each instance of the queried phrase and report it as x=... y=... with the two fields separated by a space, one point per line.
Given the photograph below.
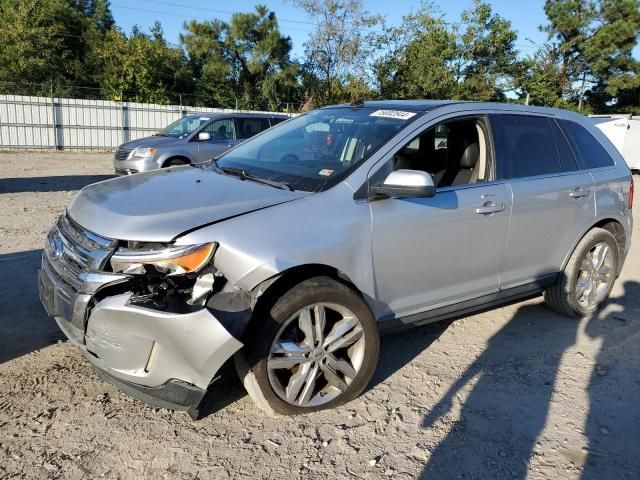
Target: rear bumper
x=166 y=359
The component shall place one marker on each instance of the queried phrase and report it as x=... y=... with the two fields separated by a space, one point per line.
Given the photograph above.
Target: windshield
x=183 y=127
x=315 y=151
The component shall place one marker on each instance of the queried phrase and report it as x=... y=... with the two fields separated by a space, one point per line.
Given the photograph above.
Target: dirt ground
x=515 y=392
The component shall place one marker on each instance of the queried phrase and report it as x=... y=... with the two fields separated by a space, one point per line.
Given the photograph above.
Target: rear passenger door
x=552 y=199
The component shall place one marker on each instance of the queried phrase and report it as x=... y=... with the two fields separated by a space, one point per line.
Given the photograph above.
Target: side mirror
x=204 y=136
x=405 y=184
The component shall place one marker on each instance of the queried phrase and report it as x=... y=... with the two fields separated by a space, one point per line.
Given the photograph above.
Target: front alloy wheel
x=316 y=355
x=317 y=347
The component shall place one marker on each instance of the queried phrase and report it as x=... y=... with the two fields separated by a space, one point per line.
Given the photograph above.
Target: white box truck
x=624 y=133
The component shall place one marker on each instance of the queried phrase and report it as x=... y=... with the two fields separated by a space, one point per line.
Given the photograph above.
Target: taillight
x=631 y=188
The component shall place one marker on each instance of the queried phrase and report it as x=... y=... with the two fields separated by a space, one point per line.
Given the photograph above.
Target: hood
x=154 y=141
x=160 y=205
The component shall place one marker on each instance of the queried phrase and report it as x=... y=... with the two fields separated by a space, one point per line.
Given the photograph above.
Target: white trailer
x=624 y=133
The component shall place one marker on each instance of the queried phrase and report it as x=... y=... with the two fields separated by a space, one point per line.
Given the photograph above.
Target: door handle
x=490 y=207
x=579 y=192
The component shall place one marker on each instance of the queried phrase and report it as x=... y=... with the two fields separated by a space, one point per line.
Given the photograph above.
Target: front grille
x=77 y=254
x=73 y=269
x=122 y=154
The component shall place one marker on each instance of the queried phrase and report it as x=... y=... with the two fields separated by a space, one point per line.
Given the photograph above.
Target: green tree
x=142 y=67
x=472 y=60
x=31 y=39
x=486 y=54
x=51 y=41
x=210 y=62
x=418 y=62
x=596 y=39
x=340 y=47
x=245 y=62
x=541 y=79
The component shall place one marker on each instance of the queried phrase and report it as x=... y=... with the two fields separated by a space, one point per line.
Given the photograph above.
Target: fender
x=164 y=156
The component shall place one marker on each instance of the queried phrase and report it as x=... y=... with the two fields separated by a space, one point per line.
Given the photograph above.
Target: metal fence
x=67 y=123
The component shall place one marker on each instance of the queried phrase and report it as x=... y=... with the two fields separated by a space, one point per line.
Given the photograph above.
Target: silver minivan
x=294 y=250
x=191 y=139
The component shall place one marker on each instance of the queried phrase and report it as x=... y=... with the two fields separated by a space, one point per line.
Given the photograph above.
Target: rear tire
x=588 y=278
x=317 y=348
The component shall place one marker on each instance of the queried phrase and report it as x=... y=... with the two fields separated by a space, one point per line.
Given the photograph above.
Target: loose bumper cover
x=167 y=359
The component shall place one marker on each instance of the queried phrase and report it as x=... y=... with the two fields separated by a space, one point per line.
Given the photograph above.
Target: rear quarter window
x=525 y=146
x=567 y=157
x=590 y=152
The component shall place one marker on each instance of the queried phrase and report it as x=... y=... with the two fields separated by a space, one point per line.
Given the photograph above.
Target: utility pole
x=526 y=100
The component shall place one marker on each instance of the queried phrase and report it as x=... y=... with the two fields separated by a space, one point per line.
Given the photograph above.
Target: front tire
x=588 y=278
x=316 y=349
x=175 y=162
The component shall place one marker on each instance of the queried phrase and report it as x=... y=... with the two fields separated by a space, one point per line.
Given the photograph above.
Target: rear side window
x=567 y=157
x=248 y=127
x=590 y=152
x=525 y=146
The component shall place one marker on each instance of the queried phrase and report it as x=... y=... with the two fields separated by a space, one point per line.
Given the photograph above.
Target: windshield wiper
x=242 y=174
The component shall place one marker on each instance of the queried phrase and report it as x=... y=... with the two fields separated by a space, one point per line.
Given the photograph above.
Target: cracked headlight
x=174 y=260
x=143 y=152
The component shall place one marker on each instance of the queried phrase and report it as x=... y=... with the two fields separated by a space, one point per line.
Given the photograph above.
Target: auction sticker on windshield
x=397 y=114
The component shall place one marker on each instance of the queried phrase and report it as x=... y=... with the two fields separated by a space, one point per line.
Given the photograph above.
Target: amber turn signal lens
x=194 y=261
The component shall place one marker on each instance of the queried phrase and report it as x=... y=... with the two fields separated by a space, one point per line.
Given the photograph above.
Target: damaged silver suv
x=293 y=250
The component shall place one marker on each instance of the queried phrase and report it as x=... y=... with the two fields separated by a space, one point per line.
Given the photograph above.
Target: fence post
x=125 y=123
x=54 y=123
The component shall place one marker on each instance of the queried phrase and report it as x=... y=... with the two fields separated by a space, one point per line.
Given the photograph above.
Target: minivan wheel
x=175 y=162
x=588 y=278
x=318 y=348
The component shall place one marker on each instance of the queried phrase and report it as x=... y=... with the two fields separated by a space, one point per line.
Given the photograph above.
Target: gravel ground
x=514 y=392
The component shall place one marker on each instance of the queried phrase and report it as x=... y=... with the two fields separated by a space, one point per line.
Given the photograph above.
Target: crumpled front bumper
x=167 y=359
x=149 y=347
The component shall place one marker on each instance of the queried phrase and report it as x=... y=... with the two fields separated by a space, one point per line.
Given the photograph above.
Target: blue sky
x=524 y=16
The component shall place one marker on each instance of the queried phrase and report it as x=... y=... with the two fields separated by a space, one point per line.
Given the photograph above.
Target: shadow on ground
x=49 y=184
x=24 y=325
x=513 y=381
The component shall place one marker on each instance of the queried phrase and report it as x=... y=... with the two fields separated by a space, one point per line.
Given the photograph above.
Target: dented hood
x=158 y=206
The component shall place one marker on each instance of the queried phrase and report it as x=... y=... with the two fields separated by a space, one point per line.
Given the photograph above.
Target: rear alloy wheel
x=319 y=351
x=588 y=278
x=595 y=276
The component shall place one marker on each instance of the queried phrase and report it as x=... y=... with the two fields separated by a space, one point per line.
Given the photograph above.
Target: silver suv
x=293 y=250
x=191 y=139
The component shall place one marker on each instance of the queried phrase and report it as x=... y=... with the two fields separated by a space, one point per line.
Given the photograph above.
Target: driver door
x=223 y=137
x=439 y=251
